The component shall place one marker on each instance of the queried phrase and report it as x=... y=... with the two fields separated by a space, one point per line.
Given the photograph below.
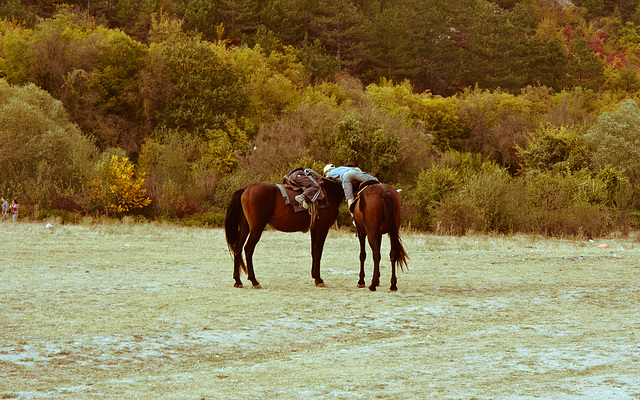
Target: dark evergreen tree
x=392 y=46
x=548 y=64
x=584 y=67
x=496 y=51
x=341 y=28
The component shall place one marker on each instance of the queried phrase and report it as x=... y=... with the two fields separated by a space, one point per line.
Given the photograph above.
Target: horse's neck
x=334 y=191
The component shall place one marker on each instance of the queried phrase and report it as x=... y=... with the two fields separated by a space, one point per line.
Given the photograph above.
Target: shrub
x=43 y=154
x=369 y=144
x=465 y=164
x=115 y=188
x=463 y=193
x=615 y=140
x=554 y=148
x=495 y=123
x=566 y=204
x=456 y=215
x=182 y=173
x=580 y=219
x=211 y=219
x=497 y=198
x=432 y=187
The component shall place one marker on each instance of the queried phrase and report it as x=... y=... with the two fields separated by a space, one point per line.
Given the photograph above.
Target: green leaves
x=373 y=148
x=206 y=89
x=42 y=153
x=615 y=139
x=554 y=148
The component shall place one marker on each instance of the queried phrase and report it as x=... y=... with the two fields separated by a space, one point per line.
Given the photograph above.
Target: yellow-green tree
x=115 y=186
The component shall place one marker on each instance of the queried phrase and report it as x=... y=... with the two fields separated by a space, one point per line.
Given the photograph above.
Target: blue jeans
x=353 y=175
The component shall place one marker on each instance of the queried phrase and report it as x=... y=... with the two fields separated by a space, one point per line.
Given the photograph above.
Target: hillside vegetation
x=492 y=116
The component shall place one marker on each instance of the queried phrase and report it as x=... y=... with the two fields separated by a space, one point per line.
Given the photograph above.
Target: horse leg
x=363 y=257
x=237 y=259
x=318 y=237
x=393 y=287
x=237 y=256
x=374 y=243
x=249 y=248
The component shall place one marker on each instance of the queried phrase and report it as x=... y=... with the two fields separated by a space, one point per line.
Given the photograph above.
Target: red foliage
x=617 y=60
x=596 y=45
x=568 y=30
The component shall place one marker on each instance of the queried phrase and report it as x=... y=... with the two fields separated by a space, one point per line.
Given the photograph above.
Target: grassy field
x=149 y=311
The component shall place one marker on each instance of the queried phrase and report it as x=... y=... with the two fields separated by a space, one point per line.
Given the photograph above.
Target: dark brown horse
x=251 y=208
x=376 y=212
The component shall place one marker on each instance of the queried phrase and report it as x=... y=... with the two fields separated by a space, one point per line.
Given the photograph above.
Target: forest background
x=491 y=116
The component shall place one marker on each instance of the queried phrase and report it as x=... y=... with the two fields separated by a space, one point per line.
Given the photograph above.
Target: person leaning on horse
x=308 y=180
x=347 y=176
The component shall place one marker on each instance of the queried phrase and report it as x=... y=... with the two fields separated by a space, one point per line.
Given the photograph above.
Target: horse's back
x=259 y=192
x=376 y=202
x=263 y=204
x=381 y=193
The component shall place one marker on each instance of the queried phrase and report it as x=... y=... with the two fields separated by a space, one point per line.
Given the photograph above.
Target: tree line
x=479 y=110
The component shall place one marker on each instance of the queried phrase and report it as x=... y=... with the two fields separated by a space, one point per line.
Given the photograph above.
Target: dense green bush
x=615 y=140
x=432 y=187
x=43 y=155
x=495 y=123
x=464 y=196
x=456 y=215
x=567 y=204
x=463 y=193
x=554 y=148
x=497 y=197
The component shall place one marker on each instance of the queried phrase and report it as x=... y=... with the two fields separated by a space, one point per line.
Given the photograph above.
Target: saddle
x=289 y=194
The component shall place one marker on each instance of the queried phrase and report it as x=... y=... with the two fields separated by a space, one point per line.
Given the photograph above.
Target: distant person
x=308 y=180
x=14 y=210
x=347 y=176
x=5 y=208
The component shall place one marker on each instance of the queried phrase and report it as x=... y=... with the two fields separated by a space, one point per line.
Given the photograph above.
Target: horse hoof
x=372 y=288
x=320 y=284
x=238 y=285
x=361 y=285
x=257 y=286
x=393 y=289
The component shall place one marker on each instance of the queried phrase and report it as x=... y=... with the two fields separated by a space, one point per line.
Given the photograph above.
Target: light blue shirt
x=348 y=175
x=336 y=173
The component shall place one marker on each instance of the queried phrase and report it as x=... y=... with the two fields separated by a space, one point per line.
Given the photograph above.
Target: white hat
x=328 y=168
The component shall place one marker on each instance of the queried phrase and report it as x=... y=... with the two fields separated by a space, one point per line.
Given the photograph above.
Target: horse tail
x=397 y=254
x=232 y=221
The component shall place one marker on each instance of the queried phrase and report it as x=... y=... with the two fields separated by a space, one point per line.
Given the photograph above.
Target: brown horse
x=376 y=212
x=251 y=208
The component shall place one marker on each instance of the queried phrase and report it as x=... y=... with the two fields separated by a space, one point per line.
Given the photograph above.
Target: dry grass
x=149 y=311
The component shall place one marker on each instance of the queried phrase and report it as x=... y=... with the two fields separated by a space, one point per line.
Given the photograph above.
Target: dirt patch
x=149 y=311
